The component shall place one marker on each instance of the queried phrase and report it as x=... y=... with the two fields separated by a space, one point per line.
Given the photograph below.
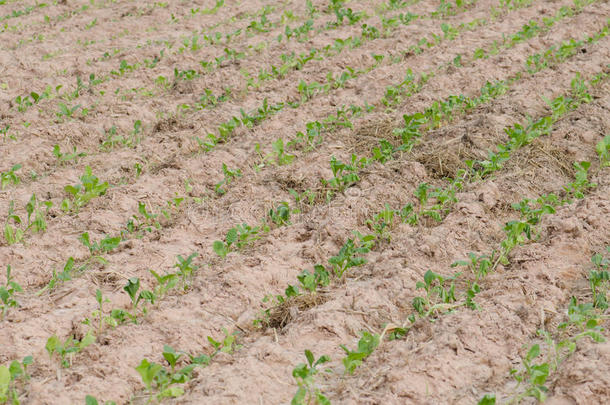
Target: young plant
x=279 y=155
x=439 y=297
x=91 y=400
x=281 y=214
x=9 y=177
x=98 y=315
x=66 y=112
x=533 y=375
x=366 y=345
x=7 y=293
x=229 y=176
x=599 y=281
x=186 y=268
x=68 y=156
x=133 y=290
x=237 y=237
x=89 y=188
x=10 y=377
x=581 y=183
x=382 y=223
x=67 y=349
x=226 y=345
x=65 y=275
x=165 y=283
x=480 y=266
x=35 y=220
x=304 y=374
x=160 y=381
x=105 y=245
x=311 y=282
x=350 y=254
x=603 y=150
x=344 y=175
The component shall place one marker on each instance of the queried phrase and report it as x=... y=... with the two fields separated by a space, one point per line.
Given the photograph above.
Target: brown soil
x=454 y=358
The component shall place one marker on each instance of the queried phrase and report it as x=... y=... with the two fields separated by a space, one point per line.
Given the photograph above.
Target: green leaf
x=87 y=340
x=220 y=248
x=488 y=399
x=90 y=400
x=132 y=287
x=52 y=344
x=5 y=380
x=148 y=371
x=171 y=392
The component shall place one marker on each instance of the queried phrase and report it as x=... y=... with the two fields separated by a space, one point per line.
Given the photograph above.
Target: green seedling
x=66 y=274
x=223 y=248
x=579 y=90
x=133 y=290
x=533 y=375
x=98 y=316
x=382 y=223
x=89 y=188
x=311 y=282
x=350 y=254
x=237 y=237
x=344 y=175
x=385 y=151
x=366 y=345
x=410 y=132
x=165 y=283
x=66 y=112
x=441 y=199
x=91 y=400
x=480 y=266
x=13 y=234
x=68 y=156
x=229 y=176
x=67 y=349
x=36 y=217
x=186 y=268
x=7 y=293
x=599 y=281
x=439 y=297
x=309 y=140
x=517 y=233
x=304 y=374
x=10 y=379
x=581 y=184
x=532 y=210
x=226 y=345
x=9 y=177
x=488 y=399
x=129 y=140
x=603 y=150
x=281 y=214
x=307 y=197
x=159 y=381
x=4 y=133
x=148 y=220
x=279 y=155
x=106 y=245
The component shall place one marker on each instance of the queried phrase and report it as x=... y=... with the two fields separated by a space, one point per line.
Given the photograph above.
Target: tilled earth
x=118 y=64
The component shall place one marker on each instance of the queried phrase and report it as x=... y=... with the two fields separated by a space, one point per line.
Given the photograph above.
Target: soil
x=454 y=357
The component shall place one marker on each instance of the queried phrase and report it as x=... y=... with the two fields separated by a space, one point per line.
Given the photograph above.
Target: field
x=322 y=201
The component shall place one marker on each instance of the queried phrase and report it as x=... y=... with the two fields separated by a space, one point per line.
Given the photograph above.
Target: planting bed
x=351 y=202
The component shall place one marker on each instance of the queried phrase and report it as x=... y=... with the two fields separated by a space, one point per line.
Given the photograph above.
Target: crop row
x=432 y=117
x=446 y=293
x=393 y=96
